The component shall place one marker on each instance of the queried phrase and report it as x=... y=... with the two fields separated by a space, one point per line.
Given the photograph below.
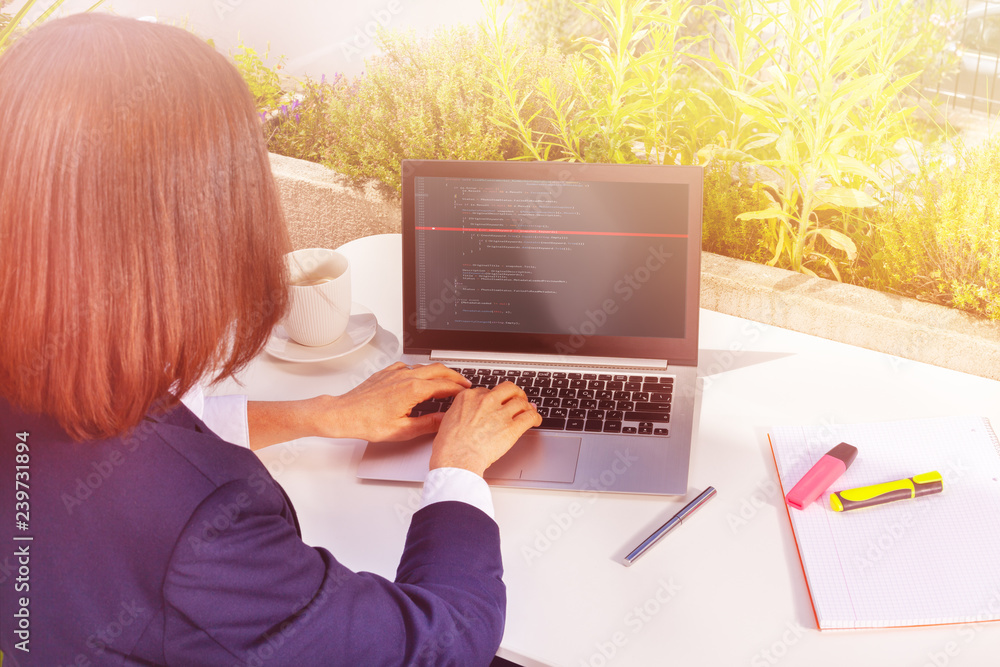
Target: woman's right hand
x=481 y=425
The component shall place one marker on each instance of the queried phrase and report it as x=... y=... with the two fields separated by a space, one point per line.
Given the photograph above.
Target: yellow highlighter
x=878 y=494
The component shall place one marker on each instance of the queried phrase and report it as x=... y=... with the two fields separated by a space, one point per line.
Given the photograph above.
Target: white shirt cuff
x=465 y=486
x=225 y=415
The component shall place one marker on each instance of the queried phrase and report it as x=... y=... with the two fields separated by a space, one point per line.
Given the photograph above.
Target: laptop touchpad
x=538 y=457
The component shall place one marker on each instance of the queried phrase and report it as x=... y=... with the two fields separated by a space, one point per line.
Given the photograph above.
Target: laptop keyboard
x=579 y=401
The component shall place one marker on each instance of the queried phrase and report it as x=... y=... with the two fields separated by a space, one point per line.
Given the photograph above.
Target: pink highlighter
x=819 y=478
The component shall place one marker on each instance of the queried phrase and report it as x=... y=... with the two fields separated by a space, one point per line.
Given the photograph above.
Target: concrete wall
x=324 y=210
x=902 y=327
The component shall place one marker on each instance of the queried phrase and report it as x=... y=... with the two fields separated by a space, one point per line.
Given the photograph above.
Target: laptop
x=578 y=282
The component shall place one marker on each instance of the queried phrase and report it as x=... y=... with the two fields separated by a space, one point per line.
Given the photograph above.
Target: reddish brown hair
x=141 y=233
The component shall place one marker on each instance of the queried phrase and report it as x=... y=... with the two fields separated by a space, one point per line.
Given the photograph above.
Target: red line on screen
x=546 y=231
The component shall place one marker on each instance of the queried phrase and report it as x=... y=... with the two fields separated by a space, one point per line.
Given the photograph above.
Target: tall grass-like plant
x=505 y=77
x=626 y=95
x=744 y=45
x=816 y=76
x=9 y=28
x=638 y=60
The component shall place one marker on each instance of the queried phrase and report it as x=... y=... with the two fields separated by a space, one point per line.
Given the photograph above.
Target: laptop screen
x=551 y=258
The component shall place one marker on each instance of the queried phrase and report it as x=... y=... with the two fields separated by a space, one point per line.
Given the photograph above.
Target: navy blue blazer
x=171 y=546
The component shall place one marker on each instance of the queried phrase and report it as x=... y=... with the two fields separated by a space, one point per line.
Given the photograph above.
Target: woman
x=142 y=255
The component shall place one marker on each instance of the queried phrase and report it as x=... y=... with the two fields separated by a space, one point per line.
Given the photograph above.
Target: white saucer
x=361 y=328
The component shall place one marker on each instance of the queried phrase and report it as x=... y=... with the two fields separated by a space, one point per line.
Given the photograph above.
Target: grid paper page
x=930 y=560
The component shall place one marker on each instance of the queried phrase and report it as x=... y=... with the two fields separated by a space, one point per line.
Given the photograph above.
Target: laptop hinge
x=547 y=360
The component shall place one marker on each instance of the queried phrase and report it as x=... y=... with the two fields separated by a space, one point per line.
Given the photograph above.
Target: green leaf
x=757 y=64
x=841 y=198
x=47 y=13
x=839 y=240
x=809 y=272
x=787 y=149
x=841 y=139
x=858 y=168
x=766 y=214
x=761 y=141
x=713 y=152
x=5 y=33
x=830 y=263
x=25 y=8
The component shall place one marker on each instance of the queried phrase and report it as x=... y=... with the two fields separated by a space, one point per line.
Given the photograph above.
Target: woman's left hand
x=379 y=408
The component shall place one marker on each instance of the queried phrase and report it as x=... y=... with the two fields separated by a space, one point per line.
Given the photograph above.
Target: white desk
x=725 y=589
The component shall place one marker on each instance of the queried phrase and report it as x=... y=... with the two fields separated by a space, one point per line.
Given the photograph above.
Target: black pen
x=674 y=521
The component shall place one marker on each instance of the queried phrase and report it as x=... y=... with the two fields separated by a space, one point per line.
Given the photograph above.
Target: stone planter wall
x=324 y=210
x=902 y=327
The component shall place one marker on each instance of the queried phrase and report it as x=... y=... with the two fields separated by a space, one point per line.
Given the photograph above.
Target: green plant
x=730 y=191
x=262 y=79
x=10 y=27
x=554 y=22
x=735 y=65
x=561 y=24
x=644 y=49
x=296 y=122
x=818 y=78
x=536 y=94
x=506 y=77
x=302 y=125
x=424 y=98
x=934 y=26
x=940 y=239
x=626 y=104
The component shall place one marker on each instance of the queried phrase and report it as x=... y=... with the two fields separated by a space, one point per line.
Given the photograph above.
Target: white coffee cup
x=320 y=286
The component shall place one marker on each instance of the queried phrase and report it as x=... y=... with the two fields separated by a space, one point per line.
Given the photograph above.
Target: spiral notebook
x=928 y=561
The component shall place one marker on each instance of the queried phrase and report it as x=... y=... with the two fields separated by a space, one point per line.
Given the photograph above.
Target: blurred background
x=317 y=36
x=856 y=141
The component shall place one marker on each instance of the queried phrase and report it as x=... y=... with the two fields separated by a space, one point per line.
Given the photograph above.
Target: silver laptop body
x=585 y=276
